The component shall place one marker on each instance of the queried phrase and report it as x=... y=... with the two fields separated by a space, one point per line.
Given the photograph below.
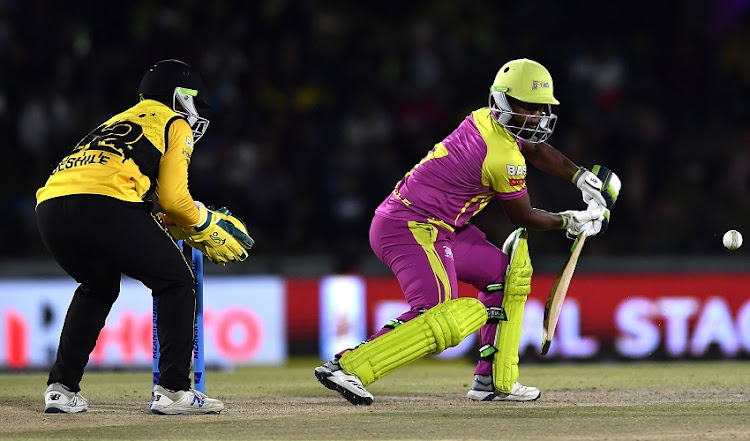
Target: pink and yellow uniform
x=422 y=230
x=480 y=160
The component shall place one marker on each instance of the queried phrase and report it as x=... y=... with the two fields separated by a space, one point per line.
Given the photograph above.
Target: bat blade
x=558 y=292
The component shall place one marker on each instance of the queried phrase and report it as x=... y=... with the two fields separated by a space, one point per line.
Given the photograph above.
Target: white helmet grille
x=184 y=104
x=533 y=128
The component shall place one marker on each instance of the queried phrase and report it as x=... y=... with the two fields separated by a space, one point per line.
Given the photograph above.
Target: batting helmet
x=527 y=81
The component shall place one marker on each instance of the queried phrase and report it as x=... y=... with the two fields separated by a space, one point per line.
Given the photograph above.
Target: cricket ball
x=732 y=239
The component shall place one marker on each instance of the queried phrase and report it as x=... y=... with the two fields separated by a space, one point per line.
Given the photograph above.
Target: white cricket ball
x=732 y=239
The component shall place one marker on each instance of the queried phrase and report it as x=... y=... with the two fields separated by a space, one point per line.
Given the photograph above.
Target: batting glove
x=600 y=185
x=589 y=222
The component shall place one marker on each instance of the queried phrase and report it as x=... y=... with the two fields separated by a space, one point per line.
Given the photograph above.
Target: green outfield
x=426 y=400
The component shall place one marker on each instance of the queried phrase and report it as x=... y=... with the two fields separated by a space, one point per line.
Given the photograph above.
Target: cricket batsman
x=422 y=231
x=97 y=218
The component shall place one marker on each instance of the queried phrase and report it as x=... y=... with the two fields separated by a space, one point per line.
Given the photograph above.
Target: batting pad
x=517 y=289
x=441 y=327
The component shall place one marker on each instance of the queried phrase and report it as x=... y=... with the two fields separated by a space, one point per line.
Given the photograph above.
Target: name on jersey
x=71 y=162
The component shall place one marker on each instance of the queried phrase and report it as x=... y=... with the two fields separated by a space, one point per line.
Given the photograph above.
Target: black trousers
x=95 y=239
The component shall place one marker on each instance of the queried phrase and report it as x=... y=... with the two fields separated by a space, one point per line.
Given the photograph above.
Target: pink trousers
x=428 y=259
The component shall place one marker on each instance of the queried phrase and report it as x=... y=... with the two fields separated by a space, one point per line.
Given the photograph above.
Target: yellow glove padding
x=219 y=235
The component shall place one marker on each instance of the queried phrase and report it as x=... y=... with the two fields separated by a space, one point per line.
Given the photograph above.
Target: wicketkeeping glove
x=179 y=234
x=600 y=185
x=242 y=236
x=220 y=236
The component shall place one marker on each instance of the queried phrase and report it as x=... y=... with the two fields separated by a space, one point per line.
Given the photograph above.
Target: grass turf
x=426 y=400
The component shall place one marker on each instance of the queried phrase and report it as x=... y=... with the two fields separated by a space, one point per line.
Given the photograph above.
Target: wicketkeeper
x=97 y=218
x=422 y=232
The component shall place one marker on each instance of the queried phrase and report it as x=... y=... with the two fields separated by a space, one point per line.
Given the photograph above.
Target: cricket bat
x=557 y=294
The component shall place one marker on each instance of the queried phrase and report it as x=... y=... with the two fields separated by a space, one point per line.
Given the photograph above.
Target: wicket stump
x=195 y=258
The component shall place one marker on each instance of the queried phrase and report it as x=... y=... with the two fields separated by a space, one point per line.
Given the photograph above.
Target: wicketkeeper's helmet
x=176 y=81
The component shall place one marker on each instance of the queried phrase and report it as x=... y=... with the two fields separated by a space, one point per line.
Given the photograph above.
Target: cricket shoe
x=350 y=387
x=482 y=389
x=59 y=399
x=182 y=402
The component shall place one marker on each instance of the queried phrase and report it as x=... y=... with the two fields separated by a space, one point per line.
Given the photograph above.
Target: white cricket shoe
x=59 y=399
x=182 y=402
x=332 y=376
x=482 y=389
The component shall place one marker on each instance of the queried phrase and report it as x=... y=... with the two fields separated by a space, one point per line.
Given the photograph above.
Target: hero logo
x=235 y=333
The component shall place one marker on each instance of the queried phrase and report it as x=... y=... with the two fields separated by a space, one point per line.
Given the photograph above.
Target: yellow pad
x=517 y=289
x=441 y=327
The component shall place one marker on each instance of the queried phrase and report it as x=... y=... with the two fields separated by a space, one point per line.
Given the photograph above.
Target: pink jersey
x=480 y=160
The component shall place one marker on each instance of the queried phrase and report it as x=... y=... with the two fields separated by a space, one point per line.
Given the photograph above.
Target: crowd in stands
x=320 y=107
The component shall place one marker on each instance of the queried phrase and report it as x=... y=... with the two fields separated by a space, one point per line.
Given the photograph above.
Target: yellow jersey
x=145 y=149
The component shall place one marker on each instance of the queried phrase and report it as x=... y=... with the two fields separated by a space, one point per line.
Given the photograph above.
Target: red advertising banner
x=262 y=320
x=675 y=315
x=630 y=316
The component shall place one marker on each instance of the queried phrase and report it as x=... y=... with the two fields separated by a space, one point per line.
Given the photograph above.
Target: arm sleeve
x=504 y=171
x=172 y=184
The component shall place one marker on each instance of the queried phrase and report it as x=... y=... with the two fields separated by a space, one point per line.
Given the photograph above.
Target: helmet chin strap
x=186 y=108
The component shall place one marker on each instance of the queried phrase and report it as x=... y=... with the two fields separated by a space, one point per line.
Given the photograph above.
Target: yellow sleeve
x=504 y=171
x=504 y=167
x=172 y=183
